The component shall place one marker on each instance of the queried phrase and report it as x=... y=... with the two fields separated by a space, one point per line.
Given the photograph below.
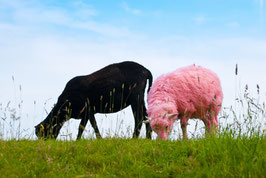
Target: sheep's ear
x=165 y=114
x=170 y=116
x=148 y=120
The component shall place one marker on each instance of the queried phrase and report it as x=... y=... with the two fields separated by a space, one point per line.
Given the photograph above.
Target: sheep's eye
x=157 y=127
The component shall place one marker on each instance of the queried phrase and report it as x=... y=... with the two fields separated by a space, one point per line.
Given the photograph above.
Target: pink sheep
x=188 y=92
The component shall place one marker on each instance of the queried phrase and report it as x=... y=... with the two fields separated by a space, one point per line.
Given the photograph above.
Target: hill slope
x=221 y=156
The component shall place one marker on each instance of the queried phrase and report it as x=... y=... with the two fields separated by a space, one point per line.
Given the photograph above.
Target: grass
x=221 y=156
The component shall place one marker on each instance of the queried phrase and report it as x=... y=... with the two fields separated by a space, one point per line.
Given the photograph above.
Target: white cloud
x=200 y=19
x=129 y=9
x=102 y=29
x=37 y=18
x=84 y=10
x=261 y=4
x=261 y=10
x=233 y=24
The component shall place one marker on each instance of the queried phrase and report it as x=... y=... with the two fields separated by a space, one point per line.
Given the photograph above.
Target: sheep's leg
x=148 y=130
x=82 y=126
x=207 y=123
x=211 y=123
x=147 y=125
x=95 y=127
x=139 y=114
x=215 y=124
x=184 y=127
x=138 y=122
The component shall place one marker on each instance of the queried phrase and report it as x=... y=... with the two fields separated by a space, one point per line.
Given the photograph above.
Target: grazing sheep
x=188 y=92
x=108 y=90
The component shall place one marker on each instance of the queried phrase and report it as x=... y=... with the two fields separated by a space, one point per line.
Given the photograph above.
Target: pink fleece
x=190 y=92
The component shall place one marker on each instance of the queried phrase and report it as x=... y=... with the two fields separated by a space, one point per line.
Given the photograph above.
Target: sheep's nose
x=164 y=136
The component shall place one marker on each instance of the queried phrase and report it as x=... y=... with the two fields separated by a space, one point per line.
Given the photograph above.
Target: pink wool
x=188 y=92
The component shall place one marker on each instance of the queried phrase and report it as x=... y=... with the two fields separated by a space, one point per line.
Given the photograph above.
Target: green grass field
x=221 y=156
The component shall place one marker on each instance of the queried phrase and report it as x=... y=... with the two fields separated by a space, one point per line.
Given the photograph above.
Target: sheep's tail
x=150 y=80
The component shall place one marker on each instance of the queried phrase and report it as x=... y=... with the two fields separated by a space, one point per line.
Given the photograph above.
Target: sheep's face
x=162 y=125
x=44 y=131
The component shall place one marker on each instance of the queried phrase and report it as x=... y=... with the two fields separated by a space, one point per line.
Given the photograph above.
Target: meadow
x=221 y=156
x=237 y=150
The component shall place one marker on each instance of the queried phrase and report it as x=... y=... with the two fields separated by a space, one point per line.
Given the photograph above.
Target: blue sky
x=43 y=44
x=150 y=18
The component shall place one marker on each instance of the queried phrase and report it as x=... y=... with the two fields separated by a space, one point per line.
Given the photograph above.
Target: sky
x=43 y=44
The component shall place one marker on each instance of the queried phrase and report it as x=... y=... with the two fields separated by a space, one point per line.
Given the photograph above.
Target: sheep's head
x=46 y=130
x=43 y=130
x=162 y=123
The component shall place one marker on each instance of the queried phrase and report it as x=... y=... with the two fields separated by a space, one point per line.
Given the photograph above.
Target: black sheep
x=108 y=90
